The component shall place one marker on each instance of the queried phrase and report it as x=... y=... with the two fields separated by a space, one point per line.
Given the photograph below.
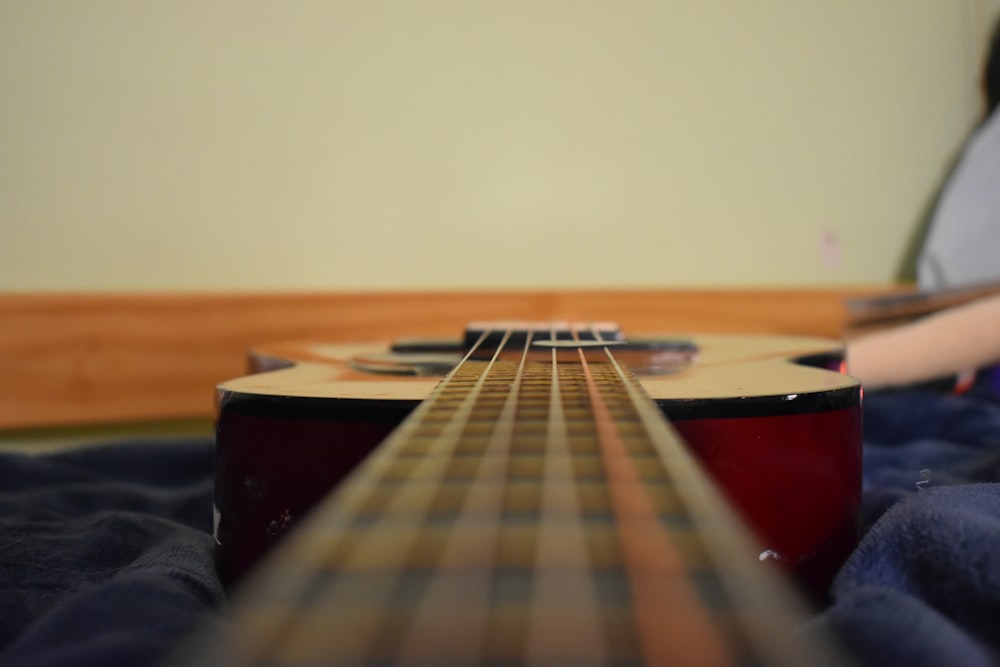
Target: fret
x=528 y=512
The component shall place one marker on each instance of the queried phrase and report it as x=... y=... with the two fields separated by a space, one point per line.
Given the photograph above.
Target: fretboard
x=537 y=512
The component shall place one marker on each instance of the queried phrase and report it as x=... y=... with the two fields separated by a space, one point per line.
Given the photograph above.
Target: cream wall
x=223 y=144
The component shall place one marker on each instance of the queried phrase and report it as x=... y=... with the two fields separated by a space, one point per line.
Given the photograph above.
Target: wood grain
x=74 y=359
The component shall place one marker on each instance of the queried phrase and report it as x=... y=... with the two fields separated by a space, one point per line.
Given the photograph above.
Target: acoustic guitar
x=545 y=494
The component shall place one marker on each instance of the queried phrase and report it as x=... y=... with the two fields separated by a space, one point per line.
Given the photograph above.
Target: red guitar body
x=770 y=418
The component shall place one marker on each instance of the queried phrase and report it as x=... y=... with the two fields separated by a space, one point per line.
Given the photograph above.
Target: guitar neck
x=531 y=511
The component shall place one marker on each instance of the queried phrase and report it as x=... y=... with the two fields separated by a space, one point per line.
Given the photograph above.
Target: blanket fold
x=923 y=586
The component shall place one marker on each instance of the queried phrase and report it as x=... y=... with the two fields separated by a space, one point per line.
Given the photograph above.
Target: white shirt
x=963 y=245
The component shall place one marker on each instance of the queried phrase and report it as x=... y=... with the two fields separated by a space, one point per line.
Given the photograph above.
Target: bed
x=107 y=555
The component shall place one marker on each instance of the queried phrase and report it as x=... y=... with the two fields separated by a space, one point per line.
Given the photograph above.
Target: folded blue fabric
x=105 y=553
x=923 y=587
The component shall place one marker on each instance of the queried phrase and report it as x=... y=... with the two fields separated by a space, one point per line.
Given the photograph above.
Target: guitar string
x=383 y=640
x=454 y=612
x=572 y=594
x=607 y=351
x=564 y=594
x=296 y=627
x=657 y=576
x=460 y=418
x=762 y=609
x=408 y=642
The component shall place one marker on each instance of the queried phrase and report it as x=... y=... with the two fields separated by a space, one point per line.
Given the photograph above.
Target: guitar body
x=771 y=419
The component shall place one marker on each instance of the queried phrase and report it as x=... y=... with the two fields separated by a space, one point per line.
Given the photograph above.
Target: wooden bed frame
x=86 y=359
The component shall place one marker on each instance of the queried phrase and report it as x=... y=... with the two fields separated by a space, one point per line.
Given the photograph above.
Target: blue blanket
x=106 y=553
x=923 y=586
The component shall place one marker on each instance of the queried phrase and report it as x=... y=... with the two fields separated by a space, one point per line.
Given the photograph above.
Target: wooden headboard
x=78 y=359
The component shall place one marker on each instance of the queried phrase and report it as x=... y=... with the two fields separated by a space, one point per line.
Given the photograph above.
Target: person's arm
x=948 y=343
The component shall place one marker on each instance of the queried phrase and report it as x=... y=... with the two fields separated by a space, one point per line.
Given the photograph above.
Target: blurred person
x=962 y=243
